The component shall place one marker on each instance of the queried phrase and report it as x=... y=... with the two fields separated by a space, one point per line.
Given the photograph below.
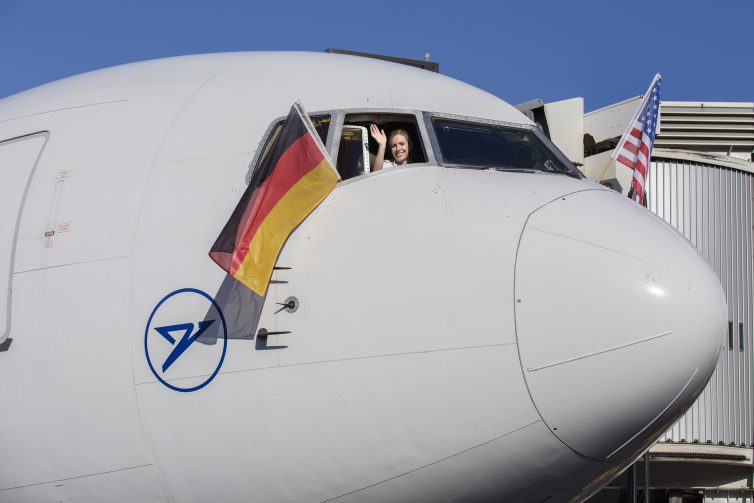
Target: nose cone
x=619 y=321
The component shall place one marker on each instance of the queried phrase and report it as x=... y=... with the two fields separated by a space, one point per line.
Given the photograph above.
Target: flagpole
x=636 y=116
x=609 y=160
x=310 y=127
x=630 y=125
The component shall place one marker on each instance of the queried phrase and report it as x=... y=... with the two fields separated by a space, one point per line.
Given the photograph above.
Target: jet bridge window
x=480 y=145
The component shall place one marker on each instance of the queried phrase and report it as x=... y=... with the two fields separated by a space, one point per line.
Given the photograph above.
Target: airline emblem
x=176 y=353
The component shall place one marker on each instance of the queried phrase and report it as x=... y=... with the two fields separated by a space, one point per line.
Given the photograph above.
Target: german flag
x=291 y=181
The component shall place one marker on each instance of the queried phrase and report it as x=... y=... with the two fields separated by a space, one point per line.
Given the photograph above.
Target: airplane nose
x=619 y=320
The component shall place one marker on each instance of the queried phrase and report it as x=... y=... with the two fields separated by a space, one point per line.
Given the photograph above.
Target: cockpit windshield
x=483 y=145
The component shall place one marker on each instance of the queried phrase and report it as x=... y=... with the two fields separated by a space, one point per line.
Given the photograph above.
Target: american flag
x=635 y=148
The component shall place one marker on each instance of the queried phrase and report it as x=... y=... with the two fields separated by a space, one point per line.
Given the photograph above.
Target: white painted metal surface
x=408 y=373
x=711 y=204
x=722 y=128
x=567 y=243
x=611 y=121
x=18 y=157
x=565 y=121
x=725 y=496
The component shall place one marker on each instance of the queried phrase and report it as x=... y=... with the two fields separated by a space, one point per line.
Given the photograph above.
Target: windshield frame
x=337 y=120
x=418 y=115
x=267 y=136
x=574 y=172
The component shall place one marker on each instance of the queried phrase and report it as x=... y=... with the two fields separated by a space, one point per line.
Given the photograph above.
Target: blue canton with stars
x=650 y=112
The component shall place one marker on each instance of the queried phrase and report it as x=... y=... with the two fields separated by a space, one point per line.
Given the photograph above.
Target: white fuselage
x=460 y=334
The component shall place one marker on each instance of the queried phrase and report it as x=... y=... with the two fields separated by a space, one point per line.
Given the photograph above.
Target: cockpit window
x=482 y=145
x=321 y=125
x=389 y=122
x=353 y=153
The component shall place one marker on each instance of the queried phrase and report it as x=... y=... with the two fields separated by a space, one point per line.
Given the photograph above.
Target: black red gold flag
x=291 y=181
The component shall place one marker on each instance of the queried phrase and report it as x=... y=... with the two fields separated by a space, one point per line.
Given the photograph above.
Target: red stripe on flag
x=299 y=159
x=631 y=147
x=644 y=148
x=624 y=160
x=641 y=172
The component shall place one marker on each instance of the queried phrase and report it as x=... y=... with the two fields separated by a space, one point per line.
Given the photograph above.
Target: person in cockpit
x=400 y=147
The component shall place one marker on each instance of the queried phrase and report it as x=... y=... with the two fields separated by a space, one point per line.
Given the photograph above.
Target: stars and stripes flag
x=290 y=182
x=635 y=147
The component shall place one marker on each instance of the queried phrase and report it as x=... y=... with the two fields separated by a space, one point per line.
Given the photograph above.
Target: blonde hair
x=401 y=132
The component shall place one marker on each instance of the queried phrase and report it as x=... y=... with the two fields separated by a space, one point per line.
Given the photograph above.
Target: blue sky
x=601 y=50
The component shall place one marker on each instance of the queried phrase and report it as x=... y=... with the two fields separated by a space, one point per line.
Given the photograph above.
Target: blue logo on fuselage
x=169 y=340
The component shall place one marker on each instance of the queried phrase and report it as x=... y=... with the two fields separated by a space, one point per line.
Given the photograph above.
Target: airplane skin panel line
x=45 y=135
x=320 y=362
x=658 y=415
x=516 y=322
x=77 y=477
x=93 y=261
x=203 y=85
x=200 y=158
x=139 y=217
x=559 y=372
x=410 y=420
x=64 y=109
x=170 y=128
x=434 y=462
x=588 y=243
x=599 y=352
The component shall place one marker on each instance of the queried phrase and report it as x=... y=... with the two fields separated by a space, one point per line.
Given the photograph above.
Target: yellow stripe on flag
x=293 y=207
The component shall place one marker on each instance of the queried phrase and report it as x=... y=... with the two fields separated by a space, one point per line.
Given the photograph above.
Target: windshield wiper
x=532 y=170
x=515 y=170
